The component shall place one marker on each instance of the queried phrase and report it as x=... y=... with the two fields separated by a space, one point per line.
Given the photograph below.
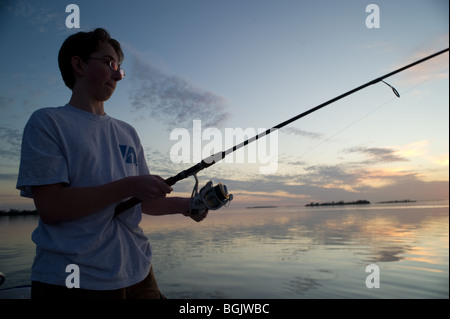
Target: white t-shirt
x=78 y=148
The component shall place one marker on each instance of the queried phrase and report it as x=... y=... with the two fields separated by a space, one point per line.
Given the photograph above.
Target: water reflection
x=298 y=251
x=281 y=253
x=16 y=248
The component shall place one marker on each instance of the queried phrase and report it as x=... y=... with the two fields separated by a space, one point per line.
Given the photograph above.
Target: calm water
x=318 y=252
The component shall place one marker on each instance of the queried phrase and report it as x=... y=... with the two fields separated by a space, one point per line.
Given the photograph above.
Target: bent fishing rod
x=211 y=160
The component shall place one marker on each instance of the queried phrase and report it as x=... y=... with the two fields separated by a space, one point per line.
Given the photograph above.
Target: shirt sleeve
x=42 y=161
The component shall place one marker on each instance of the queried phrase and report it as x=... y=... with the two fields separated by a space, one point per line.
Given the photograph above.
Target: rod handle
x=130 y=203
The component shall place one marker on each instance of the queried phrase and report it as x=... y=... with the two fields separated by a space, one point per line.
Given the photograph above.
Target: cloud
x=173 y=100
x=335 y=184
x=414 y=149
x=379 y=175
x=378 y=154
x=159 y=164
x=296 y=131
x=10 y=143
x=38 y=14
x=326 y=175
x=434 y=69
x=5 y=102
x=441 y=160
x=408 y=187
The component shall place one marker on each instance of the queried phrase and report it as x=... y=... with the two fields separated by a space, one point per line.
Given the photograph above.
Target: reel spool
x=209 y=197
x=216 y=196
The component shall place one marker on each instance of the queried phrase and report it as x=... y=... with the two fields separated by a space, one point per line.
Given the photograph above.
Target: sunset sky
x=249 y=65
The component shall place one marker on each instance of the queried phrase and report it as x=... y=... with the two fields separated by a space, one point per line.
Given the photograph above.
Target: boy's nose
x=118 y=75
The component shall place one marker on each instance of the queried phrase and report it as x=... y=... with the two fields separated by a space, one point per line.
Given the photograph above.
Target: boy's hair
x=83 y=44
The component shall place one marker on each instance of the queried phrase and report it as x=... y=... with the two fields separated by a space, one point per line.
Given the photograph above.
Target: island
x=340 y=203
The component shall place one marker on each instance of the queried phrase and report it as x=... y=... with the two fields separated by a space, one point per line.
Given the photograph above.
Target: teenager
x=78 y=163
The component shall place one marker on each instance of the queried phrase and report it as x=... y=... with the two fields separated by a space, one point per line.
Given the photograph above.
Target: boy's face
x=100 y=78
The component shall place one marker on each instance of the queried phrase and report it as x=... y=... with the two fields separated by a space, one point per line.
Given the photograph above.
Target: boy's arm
x=171 y=205
x=59 y=202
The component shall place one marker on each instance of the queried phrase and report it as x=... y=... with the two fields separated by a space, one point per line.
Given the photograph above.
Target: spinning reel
x=209 y=197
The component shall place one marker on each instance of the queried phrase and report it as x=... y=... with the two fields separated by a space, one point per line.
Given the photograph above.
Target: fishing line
x=406 y=92
x=376 y=109
x=211 y=160
x=327 y=139
x=397 y=94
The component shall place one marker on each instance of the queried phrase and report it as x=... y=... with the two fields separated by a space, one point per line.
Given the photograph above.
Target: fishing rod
x=211 y=160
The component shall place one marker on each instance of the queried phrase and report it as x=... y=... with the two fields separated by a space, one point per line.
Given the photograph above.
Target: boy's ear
x=77 y=65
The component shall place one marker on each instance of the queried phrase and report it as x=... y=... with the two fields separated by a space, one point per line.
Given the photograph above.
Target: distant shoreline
x=397 y=201
x=16 y=212
x=341 y=203
x=23 y=212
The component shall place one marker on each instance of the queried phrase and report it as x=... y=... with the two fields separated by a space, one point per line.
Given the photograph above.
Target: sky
x=200 y=74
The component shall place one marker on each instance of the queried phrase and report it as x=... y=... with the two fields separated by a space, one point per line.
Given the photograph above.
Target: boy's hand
x=207 y=199
x=150 y=187
x=197 y=217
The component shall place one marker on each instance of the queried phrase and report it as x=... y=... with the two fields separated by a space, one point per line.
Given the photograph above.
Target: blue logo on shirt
x=128 y=154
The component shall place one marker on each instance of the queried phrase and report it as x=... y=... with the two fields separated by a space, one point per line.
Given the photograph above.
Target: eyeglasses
x=112 y=64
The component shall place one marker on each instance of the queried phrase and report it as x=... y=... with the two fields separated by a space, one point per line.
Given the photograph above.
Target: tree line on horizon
x=358 y=202
x=13 y=212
